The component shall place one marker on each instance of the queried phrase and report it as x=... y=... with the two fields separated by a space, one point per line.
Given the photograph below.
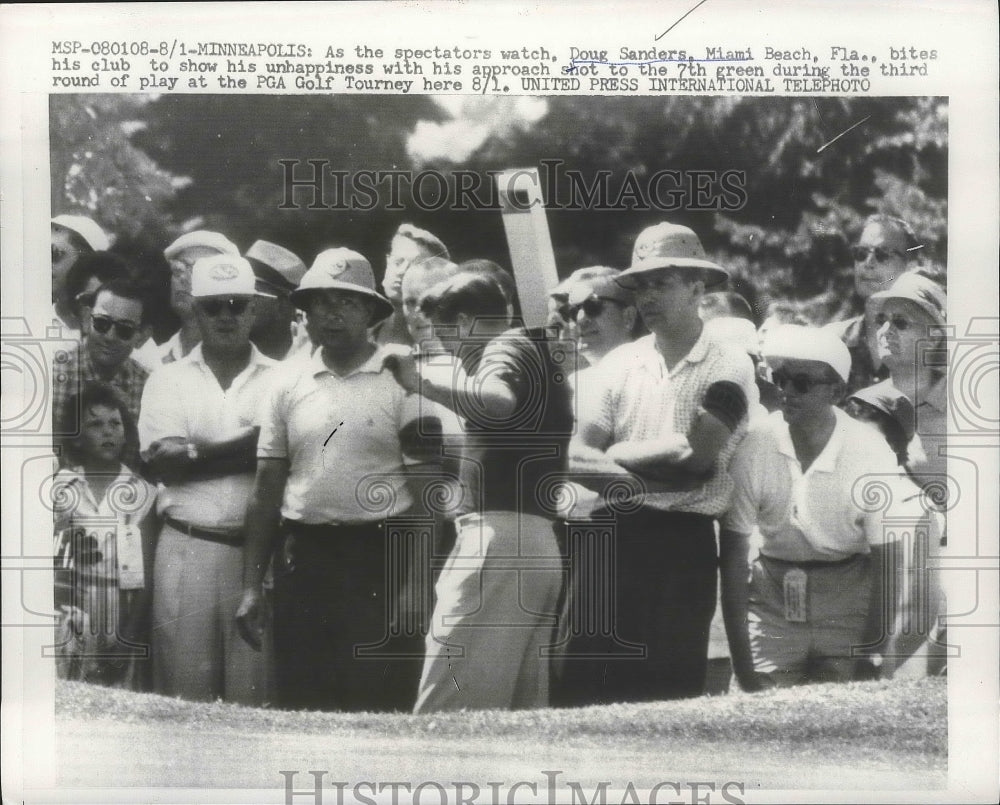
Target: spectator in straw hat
x=343 y=448
x=666 y=414
x=816 y=592
x=198 y=430
x=278 y=271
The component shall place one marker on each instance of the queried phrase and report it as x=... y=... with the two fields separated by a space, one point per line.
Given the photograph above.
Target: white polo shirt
x=837 y=508
x=344 y=438
x=184 y=399
x=633 y=396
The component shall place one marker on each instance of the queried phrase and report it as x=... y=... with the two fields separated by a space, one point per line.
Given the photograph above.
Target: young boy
x=103 y=549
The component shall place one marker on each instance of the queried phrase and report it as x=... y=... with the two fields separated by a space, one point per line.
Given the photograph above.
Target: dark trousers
x=337 y=641
x=636 y=622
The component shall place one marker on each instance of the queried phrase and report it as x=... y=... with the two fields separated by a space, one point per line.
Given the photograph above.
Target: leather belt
x=812 y=564
x=223 y=537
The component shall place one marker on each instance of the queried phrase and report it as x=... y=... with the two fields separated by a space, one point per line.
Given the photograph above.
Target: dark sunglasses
x=899 y=322
x=592 y=306
x=861 y=253
x=802 y=384
x=213 y=307
x=123 y=329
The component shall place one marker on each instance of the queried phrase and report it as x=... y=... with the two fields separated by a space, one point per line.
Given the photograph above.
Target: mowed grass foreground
x=885 y=735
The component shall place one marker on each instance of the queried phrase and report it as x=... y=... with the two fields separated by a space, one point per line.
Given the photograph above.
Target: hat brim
x=714 y=274
x=383 y=307
x=878 y=300
x=230 y=294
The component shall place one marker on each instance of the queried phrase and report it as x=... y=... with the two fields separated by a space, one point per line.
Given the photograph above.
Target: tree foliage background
x=150 y=167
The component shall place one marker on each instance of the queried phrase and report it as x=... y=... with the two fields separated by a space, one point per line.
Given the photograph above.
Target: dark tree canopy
x=150 y=167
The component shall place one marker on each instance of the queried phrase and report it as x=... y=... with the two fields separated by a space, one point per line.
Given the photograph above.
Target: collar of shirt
x=374 y=365
x=936 y=396
x=826 y=461
x=258 y=360
x=652 y=358
x=78 y=477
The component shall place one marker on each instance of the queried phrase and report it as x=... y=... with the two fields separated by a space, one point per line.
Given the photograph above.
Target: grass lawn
x=860 y=736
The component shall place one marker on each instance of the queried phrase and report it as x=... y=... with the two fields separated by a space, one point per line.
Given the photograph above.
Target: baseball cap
x=275 y=265
x=87 y=229
x=794 y=342
x=223 y=275
x=204 y=239
x=342 y=269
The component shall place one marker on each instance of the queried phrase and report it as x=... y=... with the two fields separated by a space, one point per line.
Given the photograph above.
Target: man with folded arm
x=198 y=431
x=665 y=413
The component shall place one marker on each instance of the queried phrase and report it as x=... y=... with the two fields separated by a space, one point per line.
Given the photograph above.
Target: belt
x=323 y=531
x=812 y=564
x=223 y=537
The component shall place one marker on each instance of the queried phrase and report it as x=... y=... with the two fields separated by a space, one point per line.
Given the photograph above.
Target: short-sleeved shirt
x=77 y=371
x=634 y=397
x=827 y=513
x=127 y=501
x=516 y=464
x=171 y=350
x=348 y=440
x=184 y=399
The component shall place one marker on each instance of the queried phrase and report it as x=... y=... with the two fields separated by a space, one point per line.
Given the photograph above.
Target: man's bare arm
x=262 y=530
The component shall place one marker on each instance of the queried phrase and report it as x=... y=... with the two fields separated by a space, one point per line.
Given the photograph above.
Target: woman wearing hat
x=904 y=318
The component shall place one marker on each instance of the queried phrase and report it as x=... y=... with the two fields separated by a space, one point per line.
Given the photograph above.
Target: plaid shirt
x=71 y=375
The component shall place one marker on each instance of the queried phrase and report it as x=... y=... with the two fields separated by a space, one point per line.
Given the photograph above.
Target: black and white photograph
x=405 y=418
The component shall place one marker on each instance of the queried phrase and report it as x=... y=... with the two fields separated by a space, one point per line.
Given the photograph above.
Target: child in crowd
x=104 y=534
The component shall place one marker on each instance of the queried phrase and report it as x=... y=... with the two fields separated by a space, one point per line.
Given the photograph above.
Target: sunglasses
x=213 y=307
x=124 y=330
x=901 y=323
x=802 y=384
x=593 y=307
x=861 y=253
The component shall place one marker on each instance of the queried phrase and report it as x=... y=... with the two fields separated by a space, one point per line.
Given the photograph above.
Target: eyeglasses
x=861 y=253
x=592 y=306
x=901 y=323
x=802 y=384
x=213 y=307
x=124 y=330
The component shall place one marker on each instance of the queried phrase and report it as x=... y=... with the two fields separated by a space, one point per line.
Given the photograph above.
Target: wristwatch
x=192 y=451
